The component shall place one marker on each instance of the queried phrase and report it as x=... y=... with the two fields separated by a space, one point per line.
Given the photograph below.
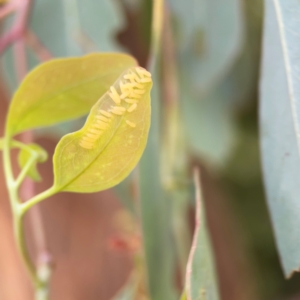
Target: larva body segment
x=104 y=119
x=105 y=113
x=117 y=112
x=131 y=124
x=101 y=125
x=119 y=108
x=125 y=95
x=132 y=107
x=128 y=100
x=114 y=95
x=142 y=72
x=145 y=80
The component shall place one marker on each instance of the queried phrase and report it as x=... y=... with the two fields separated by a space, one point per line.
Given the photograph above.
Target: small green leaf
x=64 y=89
x=24 y=156
x=201 y=280
x=111 y=142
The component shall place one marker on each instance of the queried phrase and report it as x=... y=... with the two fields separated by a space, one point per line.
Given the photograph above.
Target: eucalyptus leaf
x=201 y=283
x=280 y=125
x=155 y=215
x=24 y=156
x=209 y=36
x=63 y=89
x=109 y=145
x=210 y=41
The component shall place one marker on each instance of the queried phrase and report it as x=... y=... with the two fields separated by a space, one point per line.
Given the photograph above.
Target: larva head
x=112 y=140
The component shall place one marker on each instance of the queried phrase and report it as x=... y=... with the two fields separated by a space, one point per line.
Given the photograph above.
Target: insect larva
x=86 y=145
x=105 y=113
x=138 y=85
x=92 y=136
x=134 y=95
x=104 y=119
x=96 y=131
x=117 y=112
x=125 y=86
x=101 y=125
x=131 y=124
x=132 y=77
x=119 y=108
x=143 y=72
x=128 y=100
x=132 y=107
x=124 y=94
x=114 y=95
x=145 y=80
x=140 y=92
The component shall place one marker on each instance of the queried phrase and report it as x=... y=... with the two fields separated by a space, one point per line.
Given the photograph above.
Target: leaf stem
x=16 y=209
x=25 y=170
x=156 y=32
x=40 y=277
x=38 y=198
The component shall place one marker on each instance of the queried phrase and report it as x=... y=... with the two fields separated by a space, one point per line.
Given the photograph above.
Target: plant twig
x=156 y=32
x=16 y=32
x=18 y=35
x=39 y=49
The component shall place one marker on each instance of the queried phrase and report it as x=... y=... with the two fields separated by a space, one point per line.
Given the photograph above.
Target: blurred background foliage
x=204 y=114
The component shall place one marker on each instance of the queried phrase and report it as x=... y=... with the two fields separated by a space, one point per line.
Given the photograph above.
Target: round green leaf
x=96 y=158
x=63 y=89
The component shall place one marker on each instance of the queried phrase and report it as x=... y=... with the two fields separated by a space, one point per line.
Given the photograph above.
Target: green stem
x=40 y=277
x=38 y=198
x=21 y=244
x=16 y=209
x=156 y=32
x=25 y=170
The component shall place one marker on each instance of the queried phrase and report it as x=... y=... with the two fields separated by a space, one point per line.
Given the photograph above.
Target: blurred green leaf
x=109 y=145
x=210 y=38
x=280 y=125
x=210 y=125
x=69 y=28
x=155 y=215
x=63 y=89
x=201 y=283
x=24 y=156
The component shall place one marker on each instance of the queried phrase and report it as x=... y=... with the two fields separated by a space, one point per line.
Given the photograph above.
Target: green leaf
x=63 y=89
x=208 y=52
x=155 y=215
x=208 y=46
x=110 y=143
x=280 y=125
x=24 y=156
x=201 y=283
x=74 y=32
x=210 y=126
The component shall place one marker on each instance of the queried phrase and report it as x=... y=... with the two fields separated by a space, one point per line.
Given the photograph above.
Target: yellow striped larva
x=105 y=113
x=134 y=95
x=132 y=107
x=131 y=124
x=128 y=100
x=117 y=112
x=100 y=125
x=142 y=72
x=146 y=80
x=114 y=95
x=102 y=118
x=140 y=92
